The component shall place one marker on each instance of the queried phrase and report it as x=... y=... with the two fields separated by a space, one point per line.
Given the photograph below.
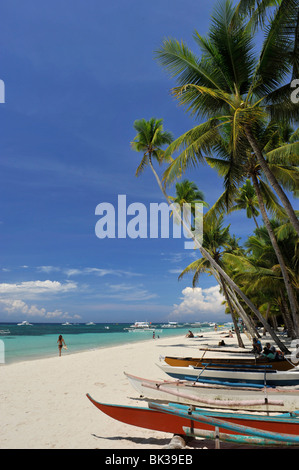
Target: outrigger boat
x=217 y=396
x=181 y=419
x=258 y=376
x=224 y=361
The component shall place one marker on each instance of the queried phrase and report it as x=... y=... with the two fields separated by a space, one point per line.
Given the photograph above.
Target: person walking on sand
x=61 y=343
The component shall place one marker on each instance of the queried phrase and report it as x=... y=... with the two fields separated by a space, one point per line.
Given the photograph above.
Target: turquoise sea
x=40 y=339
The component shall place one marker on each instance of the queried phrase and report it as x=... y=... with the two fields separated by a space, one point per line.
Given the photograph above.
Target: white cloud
x=47 y=269
x=37 y=287
x=17 y=307
x=84 y=271
x=197 y=302
x=72 y=272
x=99 y=272
x=178 y=257
x=12 y=306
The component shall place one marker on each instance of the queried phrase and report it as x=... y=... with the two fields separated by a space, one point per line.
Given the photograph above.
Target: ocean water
x=20 y=343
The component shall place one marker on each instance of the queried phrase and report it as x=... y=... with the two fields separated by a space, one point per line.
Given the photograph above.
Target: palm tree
x=280 y=258
x=236 y=92
x=247 y=199
x=233 y=90
x=270 y=136
x=260 y=275
x=144 y=147
x=149 y=140
x=217 y=241
x=187 y=193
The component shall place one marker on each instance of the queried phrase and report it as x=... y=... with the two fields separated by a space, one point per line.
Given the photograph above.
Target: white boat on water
x=170 y=324
x=90 y=323
x=66 y=324
x=140 y=326
x=24 y=323
x=281 y=399
x=4 y=332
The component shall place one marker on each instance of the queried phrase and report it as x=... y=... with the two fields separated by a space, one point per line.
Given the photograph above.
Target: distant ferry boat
x=170 y=324
x=90 y=323
x=140 y=326
x=24 y=323
x=66 y=324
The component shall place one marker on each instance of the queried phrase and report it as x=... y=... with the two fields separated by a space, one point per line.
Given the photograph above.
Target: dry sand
x=44 y=403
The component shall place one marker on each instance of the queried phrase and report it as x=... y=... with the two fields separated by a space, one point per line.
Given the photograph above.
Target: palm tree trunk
x=268 y=311
x=254 y=218
x=229 y=281
x=227 y=298
x=291 y=296
x=236 y=304
x=242 y=314
x=272 y=180
x=158 y=179
x=287 y=317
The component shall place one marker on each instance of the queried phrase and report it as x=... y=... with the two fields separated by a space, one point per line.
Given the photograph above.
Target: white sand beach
x=44 y=405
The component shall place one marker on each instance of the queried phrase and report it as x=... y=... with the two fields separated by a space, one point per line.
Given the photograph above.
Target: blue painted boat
x=279 y=428
x=234 y=438
x=255 y=377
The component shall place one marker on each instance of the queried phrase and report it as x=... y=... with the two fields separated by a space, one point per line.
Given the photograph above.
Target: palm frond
x=255 y=10
x=287 y=176
x=274 y=65
x=234 y=46
x=192 y=146
x=287 y=154
x=183 y=65
x=285 y=230
x=271 y=201
x=142 y=165
x=197 y=267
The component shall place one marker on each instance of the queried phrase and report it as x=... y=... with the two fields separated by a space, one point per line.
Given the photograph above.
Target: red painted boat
x=141 y=417
x=173 y=418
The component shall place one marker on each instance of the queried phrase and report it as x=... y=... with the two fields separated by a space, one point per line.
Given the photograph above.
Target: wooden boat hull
x=236 y=376
x=173 y=419
x=221 y=361
x=217 y=396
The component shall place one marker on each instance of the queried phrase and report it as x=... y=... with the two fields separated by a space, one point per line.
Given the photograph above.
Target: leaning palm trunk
x=250 y=329
x=272 y=180
x=242 y=313
x=287 y=282
x=235 y=303
x=255 y=221
x=230 y=306
x=229 y=281
x=287 y=317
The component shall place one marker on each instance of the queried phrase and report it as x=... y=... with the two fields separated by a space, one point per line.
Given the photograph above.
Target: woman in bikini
x=60 y=342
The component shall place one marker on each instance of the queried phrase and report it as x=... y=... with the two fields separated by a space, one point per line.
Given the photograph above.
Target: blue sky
x=77 y=74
